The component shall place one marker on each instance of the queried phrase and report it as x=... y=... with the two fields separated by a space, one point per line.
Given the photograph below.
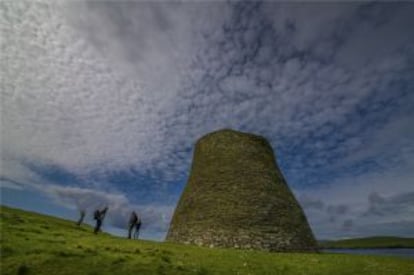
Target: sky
x=102 y=102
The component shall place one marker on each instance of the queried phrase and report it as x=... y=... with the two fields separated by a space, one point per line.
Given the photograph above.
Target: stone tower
x=237 y=197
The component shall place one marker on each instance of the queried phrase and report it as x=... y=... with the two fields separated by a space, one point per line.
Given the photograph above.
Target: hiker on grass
x=82 y=216
x=137 y=227
x=99 y=216
x=134 y=221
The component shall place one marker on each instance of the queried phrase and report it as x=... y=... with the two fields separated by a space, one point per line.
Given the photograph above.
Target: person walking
x=82 y=216
x=99 y=216
x=134 y=223
x=131 y=224
x=137 y=228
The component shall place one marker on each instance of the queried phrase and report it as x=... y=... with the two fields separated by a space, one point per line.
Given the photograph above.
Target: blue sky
x=102 y=103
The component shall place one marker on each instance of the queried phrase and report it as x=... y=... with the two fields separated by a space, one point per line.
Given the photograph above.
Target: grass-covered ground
x=37 y=244
x=371 y=242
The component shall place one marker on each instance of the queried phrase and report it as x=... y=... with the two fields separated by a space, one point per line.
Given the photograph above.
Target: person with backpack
x=131 y=224
x=134 y=221
x=99 y=216
x=82 y=216
x=137 y=227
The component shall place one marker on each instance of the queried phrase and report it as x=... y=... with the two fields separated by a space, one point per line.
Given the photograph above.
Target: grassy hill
x=38 y=244
x=371 y=242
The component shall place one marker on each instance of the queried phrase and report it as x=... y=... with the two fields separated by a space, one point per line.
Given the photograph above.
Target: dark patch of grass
x=23 y=269
x=28 y=229
x=119 y=260
x=161 y=270
x=54 y=241
x=6 y=251
x=21 y=234
x=36 y=251
x=152 y=252
x=165 y=259
x=202 y=271
x=14 y=219
x=180 y=267
x=166 y=252
x=67 y=254
x=90 y=251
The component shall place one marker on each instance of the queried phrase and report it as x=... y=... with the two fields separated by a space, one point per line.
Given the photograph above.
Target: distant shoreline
x=385 y=242
x=359 y=248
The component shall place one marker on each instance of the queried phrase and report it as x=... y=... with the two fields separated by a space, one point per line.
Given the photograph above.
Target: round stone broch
x=236 y=196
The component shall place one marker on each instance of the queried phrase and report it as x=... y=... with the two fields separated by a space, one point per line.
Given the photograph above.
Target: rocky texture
x=237 y=197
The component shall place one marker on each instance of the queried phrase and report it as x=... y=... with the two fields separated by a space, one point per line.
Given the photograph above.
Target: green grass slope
x=371 y=242
x=37 y=244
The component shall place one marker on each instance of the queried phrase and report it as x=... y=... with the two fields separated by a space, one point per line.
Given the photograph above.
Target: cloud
x=380 y=206
x=87 y=199
x=11 y=184
x=347 y=225
x=393 y=228
x=337 y=209
x=103 y=91
x=116 y=94
x=72 y=103
x=310 y=203
x=361 y=206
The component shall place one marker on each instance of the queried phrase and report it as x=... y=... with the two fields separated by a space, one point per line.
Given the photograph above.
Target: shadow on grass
x=23 y=269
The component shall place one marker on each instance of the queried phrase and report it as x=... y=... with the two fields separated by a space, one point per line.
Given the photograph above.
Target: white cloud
x=98 y=87
x=95 y=85
x=87 y=106
x=10 y=184
x=393 y=186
